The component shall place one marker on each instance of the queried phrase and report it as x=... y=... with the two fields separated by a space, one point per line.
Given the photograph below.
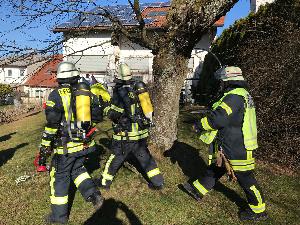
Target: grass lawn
x=6 y=107
x=130 y=201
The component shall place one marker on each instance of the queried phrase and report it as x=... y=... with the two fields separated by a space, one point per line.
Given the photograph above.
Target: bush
x=5 y=90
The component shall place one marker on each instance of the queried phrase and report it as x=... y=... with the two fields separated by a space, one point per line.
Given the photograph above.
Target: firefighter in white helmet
x=230 y=130
x=70 y=111
x=131 y=113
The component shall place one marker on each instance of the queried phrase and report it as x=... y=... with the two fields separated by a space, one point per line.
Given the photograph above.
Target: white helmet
x=124 y=72
x=66 y=70
x=227 y=73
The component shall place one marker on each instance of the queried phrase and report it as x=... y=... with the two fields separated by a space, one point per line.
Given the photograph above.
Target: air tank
x=83 y=106
x=145 y=100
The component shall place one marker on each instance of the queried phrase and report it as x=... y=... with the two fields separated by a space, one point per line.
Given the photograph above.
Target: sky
x=38 y=34
x=240 y=10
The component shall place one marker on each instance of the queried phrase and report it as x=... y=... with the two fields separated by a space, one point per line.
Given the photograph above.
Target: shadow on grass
x=105 y=142
x=6 y=136
x=33 y=113
x=108 y=214
x=188 y=159
x=231 y=195
x=7 y=154
x=193 y=166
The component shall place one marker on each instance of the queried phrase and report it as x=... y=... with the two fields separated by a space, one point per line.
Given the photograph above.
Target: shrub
x=266 y=46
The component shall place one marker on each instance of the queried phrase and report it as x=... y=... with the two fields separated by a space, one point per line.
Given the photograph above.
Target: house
x=255 y=4
x=12 y=72
x=15 y=70
x=42 y=81
x=90 y=46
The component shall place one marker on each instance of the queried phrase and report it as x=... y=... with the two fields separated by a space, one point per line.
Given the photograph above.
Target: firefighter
x=101 y=92
x=70 y=111
x=131 y=113
x=230 y=129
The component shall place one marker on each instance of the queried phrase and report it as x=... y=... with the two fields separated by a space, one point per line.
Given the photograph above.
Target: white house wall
x=37 y=93
x=255 y=4
x=16 y=76
x=90 y=44
x=100 y=60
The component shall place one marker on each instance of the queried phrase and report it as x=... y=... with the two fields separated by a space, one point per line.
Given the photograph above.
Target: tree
x=187 y=21
x=5 y=89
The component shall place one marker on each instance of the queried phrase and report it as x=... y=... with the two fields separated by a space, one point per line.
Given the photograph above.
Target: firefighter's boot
x=187 y=187
x=49 y=219
x=96 y=199
x=106 y=186
x=248 y=214
x=154 y=187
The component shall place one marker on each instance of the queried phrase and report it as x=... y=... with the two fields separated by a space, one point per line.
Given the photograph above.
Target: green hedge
x=266 y=46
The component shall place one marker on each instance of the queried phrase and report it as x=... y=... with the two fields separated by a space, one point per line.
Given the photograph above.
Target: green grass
x=130 y=201
x=6 y=107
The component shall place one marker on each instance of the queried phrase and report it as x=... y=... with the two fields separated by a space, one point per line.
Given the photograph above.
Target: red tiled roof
x=220 y=22
x=159 y=17
x=45 y=76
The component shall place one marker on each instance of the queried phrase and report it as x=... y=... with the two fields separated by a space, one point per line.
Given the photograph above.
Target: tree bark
x=169 y=71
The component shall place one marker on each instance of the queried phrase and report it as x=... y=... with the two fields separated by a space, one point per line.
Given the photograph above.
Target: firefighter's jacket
x=231 y=125
x=60 y=107
x=129 y=122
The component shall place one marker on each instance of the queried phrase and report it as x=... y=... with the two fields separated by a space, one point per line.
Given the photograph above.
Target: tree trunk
x=170 y=71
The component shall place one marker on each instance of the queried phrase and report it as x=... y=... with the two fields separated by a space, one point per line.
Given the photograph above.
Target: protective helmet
x=228 y=73
x=124 y=72
x=66 y=70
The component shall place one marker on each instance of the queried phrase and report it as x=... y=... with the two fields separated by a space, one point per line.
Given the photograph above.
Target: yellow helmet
x=124 y=72
x=228 y=73
x=66 y=70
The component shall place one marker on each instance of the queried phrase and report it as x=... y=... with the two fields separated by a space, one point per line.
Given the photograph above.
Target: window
x=22 y=72
x=9 y=73
x=38 y=93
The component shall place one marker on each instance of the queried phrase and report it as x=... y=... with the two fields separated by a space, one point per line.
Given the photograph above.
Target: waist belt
x=72 y=147
x=133 y=136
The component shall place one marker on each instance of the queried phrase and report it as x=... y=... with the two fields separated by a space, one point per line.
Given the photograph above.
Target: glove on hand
x=45 y=152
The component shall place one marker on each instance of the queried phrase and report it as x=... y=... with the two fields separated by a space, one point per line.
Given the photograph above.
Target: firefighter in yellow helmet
x=70 y=111
x=230 y=129
x=131 y=113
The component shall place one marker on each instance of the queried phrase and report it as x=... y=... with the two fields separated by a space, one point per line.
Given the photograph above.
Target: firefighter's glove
x=197 y=127
x=45 y=152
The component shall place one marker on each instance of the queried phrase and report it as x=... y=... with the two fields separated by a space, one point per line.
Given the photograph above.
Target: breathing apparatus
x=83 y=109
x=145 y=101
x=67 y=73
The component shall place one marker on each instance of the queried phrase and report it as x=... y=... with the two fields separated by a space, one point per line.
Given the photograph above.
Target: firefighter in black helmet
x=70 y=112
x=230 y=129
x=131 y=114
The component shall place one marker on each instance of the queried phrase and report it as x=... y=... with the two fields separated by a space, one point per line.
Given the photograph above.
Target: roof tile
x=45 y=76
